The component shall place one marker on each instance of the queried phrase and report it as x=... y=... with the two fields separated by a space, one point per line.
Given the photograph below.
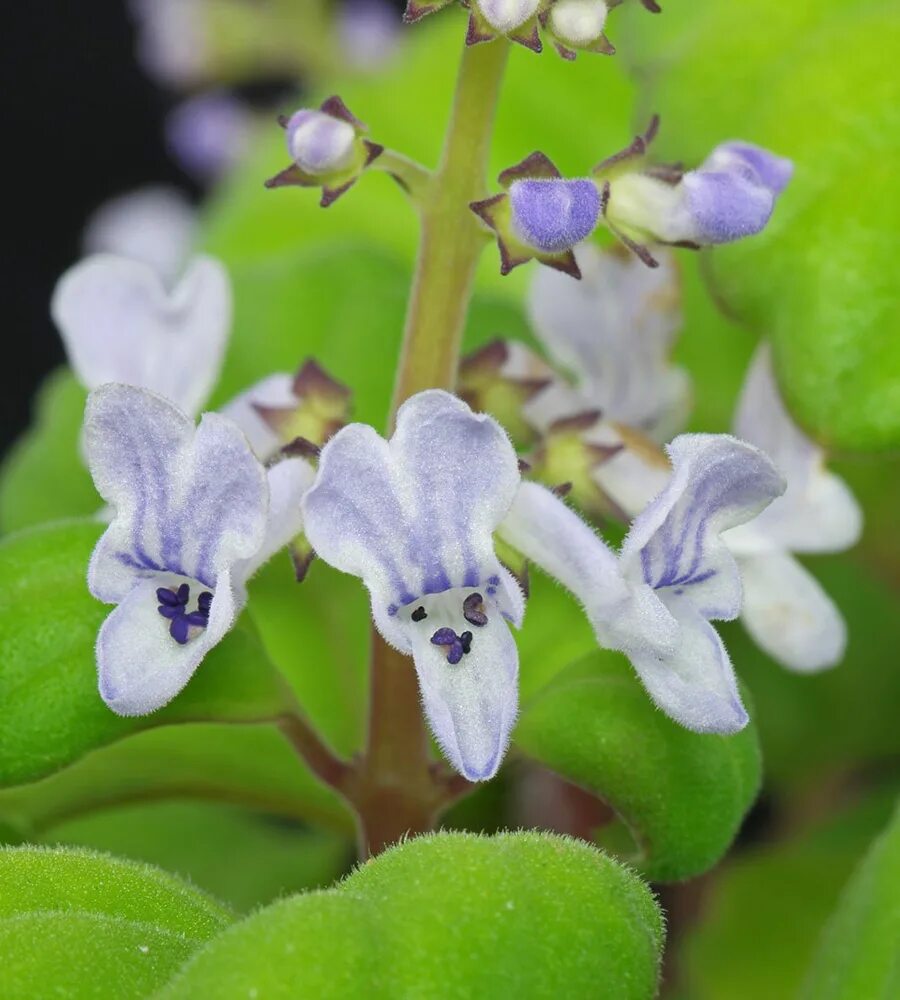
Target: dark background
x=81 y=123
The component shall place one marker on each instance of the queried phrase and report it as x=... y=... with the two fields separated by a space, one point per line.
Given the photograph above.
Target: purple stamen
x=173 y=606
x=456 y=645
x=473 y=610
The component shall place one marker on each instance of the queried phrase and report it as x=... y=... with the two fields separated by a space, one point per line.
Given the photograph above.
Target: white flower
x=785 y=609
x=194 y=515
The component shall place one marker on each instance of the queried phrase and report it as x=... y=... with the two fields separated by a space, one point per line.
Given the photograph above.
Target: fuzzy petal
x=189 y=502
x=756 y=163
x=471 y=706
x=140 y=666
x=817 y=513
x=695 y=685
x=153 y=225
x=623 y=615
x=614 y=332
x=119 y=324
x=288 y=482
x=717 y=483
x=415 y=515
x=789 y=615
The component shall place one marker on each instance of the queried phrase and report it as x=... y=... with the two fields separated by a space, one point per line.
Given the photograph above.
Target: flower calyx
x=541 y=215
x=328 y=148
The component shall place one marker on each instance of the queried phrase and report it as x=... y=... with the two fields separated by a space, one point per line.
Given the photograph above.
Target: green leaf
x=73 y=923
x=858 y=955
x=523 y=915
x=43 y=478
x=816 y=282
x=246 y=859
x=763 y=914
x=681 y=795
x=250 y=764
x=52 y=713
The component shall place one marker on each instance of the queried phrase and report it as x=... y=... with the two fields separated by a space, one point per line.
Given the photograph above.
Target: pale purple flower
x=153 y=225
x=785 y=608
x=673 y=575
x=369 y=32
x=119 y=323
x=507 y=15
x=320 y=143
x=578 y=22
x=413 y=517
x=194 y=515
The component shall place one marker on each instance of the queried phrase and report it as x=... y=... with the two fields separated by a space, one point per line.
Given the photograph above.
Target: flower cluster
x=544 y=216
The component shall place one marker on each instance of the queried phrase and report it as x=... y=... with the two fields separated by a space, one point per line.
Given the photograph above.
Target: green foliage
x=52 y=713
x=814 y=84
x=681 y=795
x=251 y=764
x=858 y=954
x=243 y=858
x=78 y=924
x=450 y=915
x=761 y=918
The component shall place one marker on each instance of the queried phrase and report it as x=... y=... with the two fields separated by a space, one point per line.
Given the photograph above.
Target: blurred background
x=83 y=123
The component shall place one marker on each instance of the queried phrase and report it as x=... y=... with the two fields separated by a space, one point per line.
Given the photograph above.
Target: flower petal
x=623 y=615
x=119 y=324
x=614 y=331
x=717 y=483
x=288 y=482
x=186 y=502
x=724 y=206
x=471 y=706
x=153 y=225
x=754 y=162
x=695 y=685
x=274 y=391
x=789 y=615
x=415 y=515
x=817 y=513
x=140 y=666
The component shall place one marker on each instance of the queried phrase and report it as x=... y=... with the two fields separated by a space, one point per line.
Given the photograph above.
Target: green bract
x=78 y=924
x=450 y=915
x=682 y=795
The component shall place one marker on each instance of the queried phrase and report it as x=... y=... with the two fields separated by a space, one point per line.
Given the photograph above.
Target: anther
x=473 y=610
x=419 y=615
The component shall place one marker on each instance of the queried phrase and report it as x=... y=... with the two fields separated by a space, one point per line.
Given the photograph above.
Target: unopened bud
x=318 y=143
x=505 y=16
x=578 y=23
x=554 y=215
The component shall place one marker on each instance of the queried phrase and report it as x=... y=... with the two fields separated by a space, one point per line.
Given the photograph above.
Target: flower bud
x=577 y=23
x=318 y=143
x=542 y=215
x=753 y=162
x=732 y=195
x=328 y=150
x=554 y=215
x=504 y=16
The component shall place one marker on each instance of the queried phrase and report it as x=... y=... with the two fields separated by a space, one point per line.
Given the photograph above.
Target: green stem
x=398 y=789
x=412 y=176
x=452 y=238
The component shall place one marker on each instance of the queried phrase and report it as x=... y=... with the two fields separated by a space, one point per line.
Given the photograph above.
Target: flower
x=153 y=225
x=577 y=25
x=172 y=39
x=194 y=516
x=120 y=324
x=613 y=331
x=369 y=32
x=673 y=576
x=730 y=196
x=413 y=517
x=786 y=611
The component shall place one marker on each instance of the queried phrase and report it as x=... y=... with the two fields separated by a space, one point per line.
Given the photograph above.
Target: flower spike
x=328 y=148
x=541 y=216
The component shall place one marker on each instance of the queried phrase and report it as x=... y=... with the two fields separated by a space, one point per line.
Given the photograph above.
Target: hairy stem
x=452 y=238
x=398 y=789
